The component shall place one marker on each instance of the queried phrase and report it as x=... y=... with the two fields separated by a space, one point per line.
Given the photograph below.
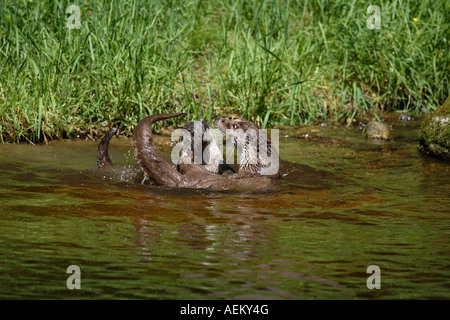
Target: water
x=352 y=204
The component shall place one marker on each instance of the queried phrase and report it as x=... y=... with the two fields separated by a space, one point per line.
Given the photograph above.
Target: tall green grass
x=273 y=62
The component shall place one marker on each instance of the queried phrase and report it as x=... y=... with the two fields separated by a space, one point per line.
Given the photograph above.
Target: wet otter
x=131 y=173
x=103 y=158
x=213 y=161
x=257 y=152
x=159 y=172
x=211 y=155
x=157 y=169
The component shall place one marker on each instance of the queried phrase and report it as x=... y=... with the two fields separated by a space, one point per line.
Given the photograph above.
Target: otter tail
x=103 y=158
x=152 y=163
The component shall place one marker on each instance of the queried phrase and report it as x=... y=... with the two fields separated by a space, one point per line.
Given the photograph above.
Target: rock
x=434 y=134
x=376 y=130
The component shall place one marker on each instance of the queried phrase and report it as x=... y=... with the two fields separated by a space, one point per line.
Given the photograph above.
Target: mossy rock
x=434 y=134
x=376 y=130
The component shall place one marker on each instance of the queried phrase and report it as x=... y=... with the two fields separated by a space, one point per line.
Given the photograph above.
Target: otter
x=132 y=173
x=103 y=158
x=212 y=158
x=193 y=176
x=258 y=156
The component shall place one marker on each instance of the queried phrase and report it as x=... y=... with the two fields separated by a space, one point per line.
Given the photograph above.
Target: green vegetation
x=434 y=135
x=273 y=62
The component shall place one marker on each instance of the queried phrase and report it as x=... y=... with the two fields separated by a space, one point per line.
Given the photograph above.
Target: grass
x=272 y=62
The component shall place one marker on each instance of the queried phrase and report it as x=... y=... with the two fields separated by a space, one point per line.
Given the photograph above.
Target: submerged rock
x=434 y=134
x=376 y=130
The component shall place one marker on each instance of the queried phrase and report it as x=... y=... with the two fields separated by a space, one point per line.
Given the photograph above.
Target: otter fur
x=258 y=155
x=103 y=158
x=211 y=154
x=194 y=175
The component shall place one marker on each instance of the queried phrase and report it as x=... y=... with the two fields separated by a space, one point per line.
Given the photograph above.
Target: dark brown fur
x=103 y=158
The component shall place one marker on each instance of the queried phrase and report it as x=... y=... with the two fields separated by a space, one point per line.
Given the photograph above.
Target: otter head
x=238 y=131
x=255 y=148
x=235 y=124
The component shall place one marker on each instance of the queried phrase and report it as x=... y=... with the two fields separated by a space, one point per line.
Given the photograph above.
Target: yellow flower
x=414 y=19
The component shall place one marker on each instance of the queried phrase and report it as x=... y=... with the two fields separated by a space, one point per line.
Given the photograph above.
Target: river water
x=351 y=203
